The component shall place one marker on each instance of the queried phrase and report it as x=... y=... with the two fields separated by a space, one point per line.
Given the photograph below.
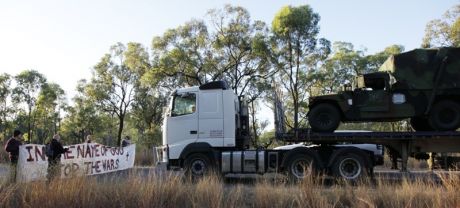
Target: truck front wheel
x=349 y=167
x=324 y=117
x=445 y=116
x=197 y=165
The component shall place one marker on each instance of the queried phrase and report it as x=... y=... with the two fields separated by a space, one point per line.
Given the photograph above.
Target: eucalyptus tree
x=242 y=45
x=5 y=108
x=50 y=103
x=297 y=50
x=374 y=61
x=28 y=85
x=83 y=117
x=444 y=31
x=112 y=86
x=183 y=56
x=147 y=107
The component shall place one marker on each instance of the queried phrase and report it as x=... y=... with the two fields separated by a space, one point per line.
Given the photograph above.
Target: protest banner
x=80 y=160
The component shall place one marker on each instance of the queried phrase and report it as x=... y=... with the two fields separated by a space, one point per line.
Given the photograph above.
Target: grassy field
x=173 y=191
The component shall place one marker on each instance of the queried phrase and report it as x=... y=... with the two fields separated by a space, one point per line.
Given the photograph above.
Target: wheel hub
x=301 y=168
x=350 y=168
x=198 y=167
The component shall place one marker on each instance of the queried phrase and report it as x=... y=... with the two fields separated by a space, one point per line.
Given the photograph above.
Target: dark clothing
x=12 y=147
x=54 y=162
x=58 y=149
x=125 y=142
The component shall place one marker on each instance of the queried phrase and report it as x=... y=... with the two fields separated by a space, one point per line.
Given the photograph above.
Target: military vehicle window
x=375 y=83
x=184 y=104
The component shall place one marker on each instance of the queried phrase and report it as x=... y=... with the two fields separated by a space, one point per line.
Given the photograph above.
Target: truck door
x=211 y=118
x=183 y=122
x=372 y=100
x=373 y=96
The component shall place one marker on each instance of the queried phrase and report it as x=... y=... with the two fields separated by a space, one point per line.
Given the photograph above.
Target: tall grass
x=173 y=191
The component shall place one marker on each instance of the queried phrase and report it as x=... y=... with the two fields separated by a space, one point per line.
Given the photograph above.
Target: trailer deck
x=405 y=143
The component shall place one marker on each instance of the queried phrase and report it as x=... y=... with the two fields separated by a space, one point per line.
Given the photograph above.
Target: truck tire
x=445 y=116
x=324 y=117
x=198 y=165
x=350 y=167
x=420 y=124
x=300 y=166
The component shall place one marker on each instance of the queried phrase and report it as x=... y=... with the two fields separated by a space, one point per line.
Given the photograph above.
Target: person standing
x=89 y=139
x=12 y=147
x=126 y=141
x=54 y=161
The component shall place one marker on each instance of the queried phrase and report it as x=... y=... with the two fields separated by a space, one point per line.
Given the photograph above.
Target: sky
x=64 y=39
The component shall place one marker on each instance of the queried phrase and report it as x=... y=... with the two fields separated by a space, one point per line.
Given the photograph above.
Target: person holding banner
x=54 y=162
x=89 y=139
x=12 y=147
x=126 y=141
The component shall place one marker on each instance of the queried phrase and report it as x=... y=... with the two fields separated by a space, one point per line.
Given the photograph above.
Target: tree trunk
x=120 y=128
x=29 y=130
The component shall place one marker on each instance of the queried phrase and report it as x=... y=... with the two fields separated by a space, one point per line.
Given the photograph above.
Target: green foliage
x=183 y=56
x=50 y=102
x=296 y=53
x=5 y=108
x=444 y=31
x=242 y=47
x=28 y=85
x=373 y=62
x=83 y=118
x=112 y=86
x=129 y=86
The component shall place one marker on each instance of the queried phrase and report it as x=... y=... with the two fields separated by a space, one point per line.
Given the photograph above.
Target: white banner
x=81 y=159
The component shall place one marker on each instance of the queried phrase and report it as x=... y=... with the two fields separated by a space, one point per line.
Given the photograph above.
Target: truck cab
x=206 y=117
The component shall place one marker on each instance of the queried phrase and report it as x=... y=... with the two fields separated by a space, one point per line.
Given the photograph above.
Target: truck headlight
x=398 y=98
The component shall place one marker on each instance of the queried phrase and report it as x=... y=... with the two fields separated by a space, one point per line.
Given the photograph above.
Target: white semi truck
x=206 y=128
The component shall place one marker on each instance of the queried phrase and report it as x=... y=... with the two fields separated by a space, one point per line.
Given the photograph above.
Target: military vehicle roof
x=416 y=69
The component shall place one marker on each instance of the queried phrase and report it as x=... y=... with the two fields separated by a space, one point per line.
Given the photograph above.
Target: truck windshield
x=184 y=104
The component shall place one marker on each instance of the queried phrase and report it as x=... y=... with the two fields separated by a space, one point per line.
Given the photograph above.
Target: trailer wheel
x=324 y=117
x=420 y=124
x=349 y=167
x=197 y=165
x=445 y=116
x=301 y=167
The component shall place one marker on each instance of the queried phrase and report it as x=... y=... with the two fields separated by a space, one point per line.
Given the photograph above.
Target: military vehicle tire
x=420 y=124
x=324 y=117
x=445 y=116
x=198 y=165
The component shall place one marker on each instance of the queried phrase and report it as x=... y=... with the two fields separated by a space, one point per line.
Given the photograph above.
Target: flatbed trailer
x=405 y=143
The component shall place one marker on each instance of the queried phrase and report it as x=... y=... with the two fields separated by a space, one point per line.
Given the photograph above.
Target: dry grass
x=144 y=157
x=173 y=191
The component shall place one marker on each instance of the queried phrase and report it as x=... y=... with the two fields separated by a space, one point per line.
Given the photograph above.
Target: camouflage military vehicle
x=422 y=84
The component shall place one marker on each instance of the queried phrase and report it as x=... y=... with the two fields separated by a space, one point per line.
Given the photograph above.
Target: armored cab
x=422 y=84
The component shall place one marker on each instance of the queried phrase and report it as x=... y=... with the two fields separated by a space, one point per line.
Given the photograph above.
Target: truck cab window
x=184 y=104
